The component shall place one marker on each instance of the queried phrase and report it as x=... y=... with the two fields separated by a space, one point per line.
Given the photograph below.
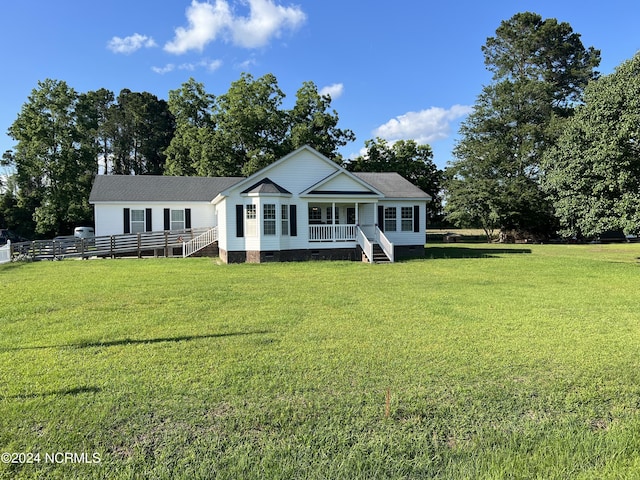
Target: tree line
x=65 y=138
x=550 y=147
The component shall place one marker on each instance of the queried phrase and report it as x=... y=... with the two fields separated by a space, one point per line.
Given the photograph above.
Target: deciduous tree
x=313 y=123
x=540 y=69
x=53 y=175
x=593 y=172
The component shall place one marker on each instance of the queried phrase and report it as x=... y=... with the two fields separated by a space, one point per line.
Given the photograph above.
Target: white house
x=303 y=206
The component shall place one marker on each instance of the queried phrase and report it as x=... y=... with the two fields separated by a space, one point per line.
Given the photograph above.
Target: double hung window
x=269 y=219
x=390 y=219
x=137 y=221
x=284 y=215
x=406 y=219
x=251 y=221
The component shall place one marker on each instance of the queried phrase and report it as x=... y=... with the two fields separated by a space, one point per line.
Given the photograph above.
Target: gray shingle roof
x=392 y=185
x=155 y=188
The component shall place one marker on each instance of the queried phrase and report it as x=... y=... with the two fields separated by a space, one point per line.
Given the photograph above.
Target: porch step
x=378 y=255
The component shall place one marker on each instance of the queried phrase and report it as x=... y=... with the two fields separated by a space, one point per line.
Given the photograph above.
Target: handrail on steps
x=365 y=244
x=198 y=243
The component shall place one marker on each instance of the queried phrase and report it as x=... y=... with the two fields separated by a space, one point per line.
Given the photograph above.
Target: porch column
x=357 y=222
x=333 y=219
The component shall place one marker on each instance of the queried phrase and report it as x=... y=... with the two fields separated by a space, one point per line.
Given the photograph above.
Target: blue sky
x=406 y=69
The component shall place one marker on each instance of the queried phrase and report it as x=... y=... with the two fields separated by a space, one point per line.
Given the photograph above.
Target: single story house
x=302 y=206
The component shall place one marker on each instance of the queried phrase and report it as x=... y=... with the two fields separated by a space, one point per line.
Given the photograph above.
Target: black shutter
x=147 y=221
x=127 y=221
x=381 y=218
x=293 y=221
x=416 y=218
x=187 y=218
x=167 y=219
x=239 y=221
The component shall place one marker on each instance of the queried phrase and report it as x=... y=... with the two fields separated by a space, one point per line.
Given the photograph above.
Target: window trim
x=140 y=224
x=269 y=223
x=284 y=219
x=406 y=222
x=390 y=221
x=177 y=224
x=251 y=220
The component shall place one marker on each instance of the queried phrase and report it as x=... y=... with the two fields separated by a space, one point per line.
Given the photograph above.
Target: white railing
x=365 y=244
x=332 y=233
x=201 y=241
x=385 y=244
x=5 y=253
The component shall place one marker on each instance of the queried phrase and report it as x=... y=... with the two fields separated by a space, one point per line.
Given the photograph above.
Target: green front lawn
x=501 y=362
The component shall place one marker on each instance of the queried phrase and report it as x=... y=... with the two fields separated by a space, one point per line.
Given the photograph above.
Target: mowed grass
x=500 y=361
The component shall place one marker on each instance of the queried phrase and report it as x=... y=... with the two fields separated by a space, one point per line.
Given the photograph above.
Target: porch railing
x=332 y=233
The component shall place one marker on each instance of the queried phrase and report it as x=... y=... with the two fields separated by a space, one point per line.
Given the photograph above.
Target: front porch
x=337 y=221
x=349 y=225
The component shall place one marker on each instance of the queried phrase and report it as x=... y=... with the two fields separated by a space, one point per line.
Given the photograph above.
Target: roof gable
x=302 y=161
x=341 y=182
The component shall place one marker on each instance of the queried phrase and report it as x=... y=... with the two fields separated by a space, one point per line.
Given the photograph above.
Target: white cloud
x=130 y=44
x=265 y=20
x=210 y=65
x=247 y=64
x=208 y=22
x=334 y=91
x=425 y=126
x=169 y=67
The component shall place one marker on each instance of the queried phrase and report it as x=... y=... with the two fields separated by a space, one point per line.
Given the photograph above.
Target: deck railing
x=110 y=245
x=332 y=233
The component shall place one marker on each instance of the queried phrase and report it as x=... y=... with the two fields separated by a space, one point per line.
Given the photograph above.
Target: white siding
x=110 y=217
x=300 y=172
x=405 y=238
x=343 y=183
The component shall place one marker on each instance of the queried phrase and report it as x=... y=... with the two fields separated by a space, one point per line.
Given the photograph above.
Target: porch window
x=284 y=216
x=177 y=220
x=406 y=219
x=137 y=221
x=269 y=219
x=315 y=215
x=251 y=221
x=390 y=219
x=330 y=214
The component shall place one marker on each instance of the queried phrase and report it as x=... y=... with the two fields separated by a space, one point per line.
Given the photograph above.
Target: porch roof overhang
x=358 y=188
x=342 y=197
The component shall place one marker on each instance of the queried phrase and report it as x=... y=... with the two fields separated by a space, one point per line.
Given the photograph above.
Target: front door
x=351 y=215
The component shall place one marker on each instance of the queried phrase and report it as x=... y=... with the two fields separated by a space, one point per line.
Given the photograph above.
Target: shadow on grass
x=69 y=391
x=5 y=267
x=466 y=252
x=137 y=341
